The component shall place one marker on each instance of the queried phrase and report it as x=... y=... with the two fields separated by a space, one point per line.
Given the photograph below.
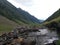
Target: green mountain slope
x=10 y=17
x=16 y=14
x=53 y=21
x=6 y=25
x=54 y=15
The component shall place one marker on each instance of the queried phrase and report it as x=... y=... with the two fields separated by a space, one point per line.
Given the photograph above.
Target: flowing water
x=43 y=37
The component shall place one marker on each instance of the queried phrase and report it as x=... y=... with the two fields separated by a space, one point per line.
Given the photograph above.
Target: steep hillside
x=10 y=17
x=15 y=14
x=6 y=25
x=54 y=15
x=53 y=22
x=28 y=16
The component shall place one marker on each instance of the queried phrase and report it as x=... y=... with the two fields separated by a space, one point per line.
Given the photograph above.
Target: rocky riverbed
x=44 y=37
x=29 y=37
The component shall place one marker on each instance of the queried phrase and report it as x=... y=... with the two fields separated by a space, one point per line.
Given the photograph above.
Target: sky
x=41 y=9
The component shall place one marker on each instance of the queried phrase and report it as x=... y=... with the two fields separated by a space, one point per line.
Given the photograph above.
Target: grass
x=6 y=25
x=56 y=20
x=58 y=42
x=5 y=28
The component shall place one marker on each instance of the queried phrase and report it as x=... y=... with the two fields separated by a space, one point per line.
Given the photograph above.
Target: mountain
x=28 y=16
x=6 y=25
x=16 y=14
x=53 y=21
x=54 y=15
x=10 y=17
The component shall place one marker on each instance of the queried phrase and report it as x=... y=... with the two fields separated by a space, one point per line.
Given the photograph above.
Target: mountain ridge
x=56 y=14
x=12 y=17
x=53 y=22
x=11 y=12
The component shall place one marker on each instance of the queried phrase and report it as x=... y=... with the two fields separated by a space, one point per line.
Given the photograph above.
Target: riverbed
x=44 y=36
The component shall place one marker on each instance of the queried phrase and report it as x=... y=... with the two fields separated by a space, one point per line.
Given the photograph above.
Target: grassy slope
x=54 y=15
x=13 y=15
x=6 y=25
x=55 y=18
x=11 y=12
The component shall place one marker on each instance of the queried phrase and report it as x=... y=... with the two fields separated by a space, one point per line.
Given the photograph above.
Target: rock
x=53 y=43
x=33 y=43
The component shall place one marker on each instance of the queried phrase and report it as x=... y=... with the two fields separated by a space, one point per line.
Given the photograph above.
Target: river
x=44 y=36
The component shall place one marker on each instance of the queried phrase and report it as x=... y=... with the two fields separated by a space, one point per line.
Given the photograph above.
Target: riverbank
x=25 y=36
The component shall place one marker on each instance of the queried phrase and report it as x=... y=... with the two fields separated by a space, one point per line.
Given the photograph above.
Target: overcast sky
x=41 y=9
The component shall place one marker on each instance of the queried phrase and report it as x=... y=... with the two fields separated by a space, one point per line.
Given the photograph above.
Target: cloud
x=41 y=9
x=24 y=2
